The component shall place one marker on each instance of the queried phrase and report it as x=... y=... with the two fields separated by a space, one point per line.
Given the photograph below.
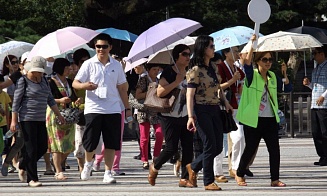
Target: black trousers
x=210 y=129
x=268 y=130
x=319 y=132
x=175 y=131
x=36 y=145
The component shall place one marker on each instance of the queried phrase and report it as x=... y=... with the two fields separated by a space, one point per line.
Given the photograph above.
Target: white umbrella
x=129 y=66
x=164 y=56
x=85 y=46
x=61 y=41
x=284 y=42
x=16 y=48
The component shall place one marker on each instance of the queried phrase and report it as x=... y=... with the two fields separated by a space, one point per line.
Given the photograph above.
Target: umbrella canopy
x=233 y=36
x=16 y=48
x=118 y=34
x=122 y=40
x=61 y=41
x=318 y=33
x=284 y=42
x=164 y=56
x=129 y=66
x=160 y=36
x=85 y=46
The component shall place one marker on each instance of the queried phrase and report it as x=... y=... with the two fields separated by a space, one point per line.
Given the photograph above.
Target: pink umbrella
x=160 y=36
x=61 y=41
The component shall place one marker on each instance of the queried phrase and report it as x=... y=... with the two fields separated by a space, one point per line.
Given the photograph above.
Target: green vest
x=248 y=109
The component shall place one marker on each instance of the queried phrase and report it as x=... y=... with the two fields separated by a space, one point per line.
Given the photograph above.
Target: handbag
x=228 y=93
x=70 y=114
x=160 y=104
x=134 y=103
x=227 y=120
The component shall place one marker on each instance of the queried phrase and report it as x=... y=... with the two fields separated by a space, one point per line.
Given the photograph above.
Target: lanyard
x=232 y=73
x=67 y=88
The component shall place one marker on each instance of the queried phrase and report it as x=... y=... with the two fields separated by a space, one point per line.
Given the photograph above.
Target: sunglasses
x=102 y=46
x=186 y=54
x=265 y=60
x=212 y=46
x=14 y=62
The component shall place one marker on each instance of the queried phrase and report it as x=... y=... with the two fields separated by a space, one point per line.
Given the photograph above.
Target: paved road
x=297 y=171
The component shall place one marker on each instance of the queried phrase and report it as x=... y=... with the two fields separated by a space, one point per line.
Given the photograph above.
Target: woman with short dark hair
x=147 y=118
x=174 y=123
x=61 y=137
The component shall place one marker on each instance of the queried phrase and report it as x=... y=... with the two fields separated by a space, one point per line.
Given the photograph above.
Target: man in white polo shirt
x=105 y=83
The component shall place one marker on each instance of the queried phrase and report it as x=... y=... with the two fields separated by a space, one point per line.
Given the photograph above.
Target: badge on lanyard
x=102 y=92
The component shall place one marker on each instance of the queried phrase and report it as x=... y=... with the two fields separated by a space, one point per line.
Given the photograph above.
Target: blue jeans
x=209 y=127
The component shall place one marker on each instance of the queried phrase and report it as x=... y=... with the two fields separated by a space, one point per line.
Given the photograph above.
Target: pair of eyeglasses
x=102 y=46
x=266 y=60
x=212 y=46
x=186 y=54
x=14 y=62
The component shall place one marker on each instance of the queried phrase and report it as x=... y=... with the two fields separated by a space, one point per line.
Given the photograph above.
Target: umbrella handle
x=7 y=56
x=172 y=59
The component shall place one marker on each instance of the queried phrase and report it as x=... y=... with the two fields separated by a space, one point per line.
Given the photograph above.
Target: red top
x=226 y=75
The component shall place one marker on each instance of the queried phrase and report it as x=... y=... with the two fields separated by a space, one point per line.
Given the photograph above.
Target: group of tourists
x=242 y=84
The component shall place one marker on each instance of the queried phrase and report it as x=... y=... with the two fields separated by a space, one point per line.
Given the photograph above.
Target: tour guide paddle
x=259 y=12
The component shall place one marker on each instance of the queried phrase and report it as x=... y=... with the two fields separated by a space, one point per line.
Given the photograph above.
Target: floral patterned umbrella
x=284 y=42
x=232 y=36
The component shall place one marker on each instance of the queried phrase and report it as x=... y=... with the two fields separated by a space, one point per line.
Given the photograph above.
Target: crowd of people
x=193 y=130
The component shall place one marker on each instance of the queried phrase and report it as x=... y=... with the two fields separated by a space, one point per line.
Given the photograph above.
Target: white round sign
x=259 y=11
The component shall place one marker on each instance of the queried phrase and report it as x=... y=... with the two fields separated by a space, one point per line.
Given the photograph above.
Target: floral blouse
x=206 y=80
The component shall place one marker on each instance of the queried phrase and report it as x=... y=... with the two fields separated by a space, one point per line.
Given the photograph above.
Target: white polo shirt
x=109 y=76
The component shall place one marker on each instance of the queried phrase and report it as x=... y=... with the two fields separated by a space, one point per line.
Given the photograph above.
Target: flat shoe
x=277 y=183
x=34 y=183
x=248 y=173
x=192 y=175
x=60 y=176
x=212 y=187
x=145 y=165
x=240 y=181
x=185 y=183
x=152 y=175
x=221 y=179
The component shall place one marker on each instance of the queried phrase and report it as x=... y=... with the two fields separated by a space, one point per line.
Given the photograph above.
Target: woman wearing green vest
x=258 y=113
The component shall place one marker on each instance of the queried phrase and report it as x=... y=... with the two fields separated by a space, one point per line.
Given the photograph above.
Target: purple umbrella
x=161 y=35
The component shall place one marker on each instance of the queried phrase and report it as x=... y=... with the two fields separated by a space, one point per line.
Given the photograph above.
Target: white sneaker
x=108 y=178
x=86 y=173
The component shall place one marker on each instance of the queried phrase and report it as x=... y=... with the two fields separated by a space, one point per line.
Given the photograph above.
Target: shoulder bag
x=160 y=104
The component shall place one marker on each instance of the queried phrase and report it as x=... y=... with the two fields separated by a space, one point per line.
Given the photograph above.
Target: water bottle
x=9 y=133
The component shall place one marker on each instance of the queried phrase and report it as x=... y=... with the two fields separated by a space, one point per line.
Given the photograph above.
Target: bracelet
x=190 y=117
x=127 y=109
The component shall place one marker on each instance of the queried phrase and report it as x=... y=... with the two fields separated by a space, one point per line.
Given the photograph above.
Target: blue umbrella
x=233 y=36
x=119 y=34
